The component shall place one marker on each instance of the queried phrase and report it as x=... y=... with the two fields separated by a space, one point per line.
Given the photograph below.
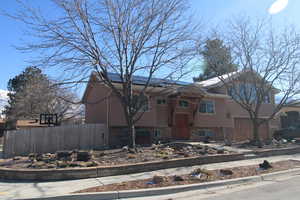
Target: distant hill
x=3 y=100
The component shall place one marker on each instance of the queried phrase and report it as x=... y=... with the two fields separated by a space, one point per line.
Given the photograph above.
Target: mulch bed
x=214 y=175
x=116 y=156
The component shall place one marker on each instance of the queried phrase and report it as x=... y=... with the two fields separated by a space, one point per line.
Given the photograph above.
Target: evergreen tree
x=217 y=60
x=32 y=93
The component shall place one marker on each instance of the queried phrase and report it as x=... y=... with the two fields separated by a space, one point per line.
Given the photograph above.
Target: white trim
x=186 y=101
x=159 y=98
x=206 y=113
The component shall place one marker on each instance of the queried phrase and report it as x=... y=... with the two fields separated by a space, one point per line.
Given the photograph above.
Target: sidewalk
x=20 y=190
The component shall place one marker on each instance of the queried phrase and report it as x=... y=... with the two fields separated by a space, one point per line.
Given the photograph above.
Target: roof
x=142 y=80
x=29 y=123
x=137 y=80
x=217 y=81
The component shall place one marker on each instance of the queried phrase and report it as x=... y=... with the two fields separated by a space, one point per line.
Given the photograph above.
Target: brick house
x=181 y=111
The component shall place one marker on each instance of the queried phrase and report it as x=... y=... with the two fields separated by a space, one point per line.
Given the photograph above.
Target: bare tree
x=153 y=38
x=268 y=64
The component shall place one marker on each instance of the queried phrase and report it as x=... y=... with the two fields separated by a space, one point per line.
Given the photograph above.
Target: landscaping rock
x=265 y=165
x=51 y=166
x=220 y=151
x=199 y=173
x=39 y=157
x=31 y=157
x=61 y=164
x=158 y=179
x=131 y=156
x=17 y=158
x=125 y=148
x=48 y=158
x=90 y=164
x=63 y=155
x=226 y=172
x=37 y=165
x=132 y=150
x=178 y=178
x=83 y=156
x=177 y=145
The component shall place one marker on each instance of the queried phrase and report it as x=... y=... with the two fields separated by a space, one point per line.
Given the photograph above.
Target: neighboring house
x=290 y=115
x=2 y=127
x=181 y=111
x=23 y=124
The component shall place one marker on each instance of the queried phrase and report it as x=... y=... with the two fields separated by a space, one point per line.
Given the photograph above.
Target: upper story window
x=207 y=107
x=141 y=103
x=267 y=99
x=161 y=101
x=248 y=92
x=183 y=104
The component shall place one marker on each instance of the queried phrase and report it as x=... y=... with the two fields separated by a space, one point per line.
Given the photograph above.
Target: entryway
x=181 y=130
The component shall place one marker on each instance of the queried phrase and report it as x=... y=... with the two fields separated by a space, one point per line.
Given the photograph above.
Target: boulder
x=83 y=156
x=39 y=157
x=220 y=150
x=158 y=179
x=226 y=172
x=178 y=178
x=125 y=148
x=31 y=157
x=265 y=165
x=63 y=155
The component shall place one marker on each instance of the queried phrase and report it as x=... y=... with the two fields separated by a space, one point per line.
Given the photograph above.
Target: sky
x=211 y=12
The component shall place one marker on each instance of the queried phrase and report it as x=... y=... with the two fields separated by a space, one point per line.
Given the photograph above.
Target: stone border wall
x=277 y=152
x=93 y=172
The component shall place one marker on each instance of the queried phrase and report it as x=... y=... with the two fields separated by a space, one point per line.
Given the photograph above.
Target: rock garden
x=199 y=175
x=125 y=155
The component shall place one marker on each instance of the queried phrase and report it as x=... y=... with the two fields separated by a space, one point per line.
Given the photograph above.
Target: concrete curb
x=172 y=189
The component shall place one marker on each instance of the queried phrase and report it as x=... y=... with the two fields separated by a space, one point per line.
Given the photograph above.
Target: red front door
x=181 y=129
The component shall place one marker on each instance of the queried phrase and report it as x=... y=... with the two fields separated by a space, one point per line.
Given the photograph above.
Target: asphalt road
x=286 y=188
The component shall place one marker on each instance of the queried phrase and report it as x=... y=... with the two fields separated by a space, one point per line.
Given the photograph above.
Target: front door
x=181 y=130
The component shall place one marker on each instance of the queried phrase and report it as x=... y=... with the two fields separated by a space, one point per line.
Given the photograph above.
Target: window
x=204 y=133
x=248 y=92
x=207 y=107
x=157 y=133
x=267 y=99
x=141 y=103
x=183 y=104
x=161 y=101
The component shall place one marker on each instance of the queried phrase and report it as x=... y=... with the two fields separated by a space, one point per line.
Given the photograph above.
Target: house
x=176 y=110
x=2 y=127
x=290 y=115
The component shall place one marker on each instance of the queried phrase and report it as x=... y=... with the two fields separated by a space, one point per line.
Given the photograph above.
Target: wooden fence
x=52 y=139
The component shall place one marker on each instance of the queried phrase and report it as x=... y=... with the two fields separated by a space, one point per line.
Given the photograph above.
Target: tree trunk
x=132 y=134
x=256 y=139
x=130 y=126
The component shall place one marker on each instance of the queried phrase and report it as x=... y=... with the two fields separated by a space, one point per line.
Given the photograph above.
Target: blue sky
x=212 y=12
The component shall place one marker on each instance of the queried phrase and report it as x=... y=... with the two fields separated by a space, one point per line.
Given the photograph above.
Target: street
x=279 y=189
